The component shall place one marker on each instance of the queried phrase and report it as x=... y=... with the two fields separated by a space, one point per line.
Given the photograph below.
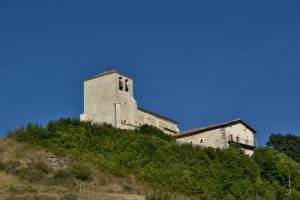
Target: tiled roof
x=199 y=130
x=157 y=115
x=110 y=71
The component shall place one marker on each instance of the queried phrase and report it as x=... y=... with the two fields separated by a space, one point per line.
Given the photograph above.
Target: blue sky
x=197 y=62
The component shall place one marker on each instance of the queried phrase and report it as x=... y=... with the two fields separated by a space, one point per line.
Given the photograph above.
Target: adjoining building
x=222 y=135
x=108 y=98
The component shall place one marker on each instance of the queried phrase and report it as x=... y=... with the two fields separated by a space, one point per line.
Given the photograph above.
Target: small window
x=126 y=85
x=231 y=137
x=201 y=141
x=191 y=142
x=120 y=83
x=237 y=138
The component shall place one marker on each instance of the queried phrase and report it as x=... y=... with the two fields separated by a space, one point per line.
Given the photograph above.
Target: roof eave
x=107 y=73
x=158 y=115
x=199 y=130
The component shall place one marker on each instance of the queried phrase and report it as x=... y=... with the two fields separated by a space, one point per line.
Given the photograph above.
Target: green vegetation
x=288 y=144
x=2 y=166
x=80 y=171
x=169 y=169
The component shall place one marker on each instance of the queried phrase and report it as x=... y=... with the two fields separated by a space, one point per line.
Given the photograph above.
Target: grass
x=52 y=185
x=167 y=168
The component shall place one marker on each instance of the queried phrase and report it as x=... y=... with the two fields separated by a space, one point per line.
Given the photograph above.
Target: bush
x=277 y=167
x=12 y=167
x=153 y=131
x=162 y=195
x=35 y=171
x=80 y=172
x=2 y=166
x=19 y=190
x=62 y=174
x=40 y=166
x=69 y=196
x=158 y=195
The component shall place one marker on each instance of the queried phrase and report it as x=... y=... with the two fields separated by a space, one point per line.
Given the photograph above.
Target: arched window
x=126 y=85
x=120 y=83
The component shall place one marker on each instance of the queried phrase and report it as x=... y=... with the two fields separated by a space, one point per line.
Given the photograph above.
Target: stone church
x=109 y=98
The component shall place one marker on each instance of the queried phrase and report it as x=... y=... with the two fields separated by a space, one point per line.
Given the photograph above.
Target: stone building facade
x=108 y=98
x=221 y=136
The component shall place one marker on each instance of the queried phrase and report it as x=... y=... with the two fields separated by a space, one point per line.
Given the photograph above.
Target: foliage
x=62 y=174
x=164 y=165
x=153 y=131
x=2 y=166
x=288 y=144
x=69 y=196
x=34 y=171
x=158 y=195
x=20 y=189
x=80 y=172
x=12 y=167
x=277 y=167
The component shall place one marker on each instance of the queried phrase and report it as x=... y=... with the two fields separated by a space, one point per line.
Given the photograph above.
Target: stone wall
x=167 y=126
x=105 y=102
x=220 y=137
x=212 y=138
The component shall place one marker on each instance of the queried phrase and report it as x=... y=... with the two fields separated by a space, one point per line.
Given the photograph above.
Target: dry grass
x=102 y=186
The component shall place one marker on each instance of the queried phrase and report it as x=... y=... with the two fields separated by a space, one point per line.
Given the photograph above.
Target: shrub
x=162 y=195
x=68 y=196
x=40 y=166
x=19 y=190
x=62 y=174
x=277 y=167
x=2 y=166
x=158 y=195
x=153 y=131
x=81 y=172
x=35 y=171
x=12 y=167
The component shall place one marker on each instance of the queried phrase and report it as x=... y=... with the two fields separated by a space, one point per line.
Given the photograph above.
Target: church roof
x=109 y=71
x=158 y=115
x=199 y=130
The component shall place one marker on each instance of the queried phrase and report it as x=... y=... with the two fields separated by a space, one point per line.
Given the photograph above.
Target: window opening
x=126 y=85
x=120 y=83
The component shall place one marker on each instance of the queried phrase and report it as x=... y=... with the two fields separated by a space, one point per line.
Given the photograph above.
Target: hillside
x=28 y=172
x=68 y=159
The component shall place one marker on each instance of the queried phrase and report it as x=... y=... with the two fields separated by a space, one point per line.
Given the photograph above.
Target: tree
x=288 y=144
x=276 y=167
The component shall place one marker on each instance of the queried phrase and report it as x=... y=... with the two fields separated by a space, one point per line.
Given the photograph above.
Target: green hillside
x=166 y=169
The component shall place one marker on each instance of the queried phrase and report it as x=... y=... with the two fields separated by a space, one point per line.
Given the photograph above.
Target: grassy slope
x=13 y=187
x=164 y=166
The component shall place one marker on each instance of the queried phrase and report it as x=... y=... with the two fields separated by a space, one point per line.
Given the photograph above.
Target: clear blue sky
x=198 y=62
